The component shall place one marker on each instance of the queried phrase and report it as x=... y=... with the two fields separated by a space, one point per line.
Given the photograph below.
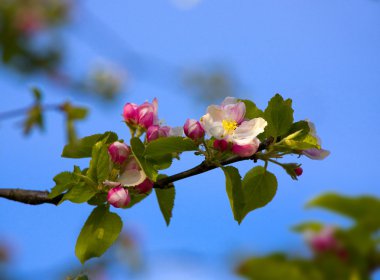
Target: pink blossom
x=155 y=131
x=323 y=240
x=298 y=171
x=147 y=114
x=130 y=114
x=119 y=152
x=246 y=150
x=227 y=122
x=145 y=186
x=221 y=145
x=119 y=197
x=193 y=129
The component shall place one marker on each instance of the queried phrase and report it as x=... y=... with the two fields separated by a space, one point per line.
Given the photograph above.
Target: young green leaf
x=63 y=182
x=79 y=193
x=82 y=148
x=98 y=233
x=279 y=115
x=259 y=186
x=169 y=145
x=165 y=198
x=235 y=192
x=302 y=127
x=99 y=169
x=251 y=110
x=138 y=150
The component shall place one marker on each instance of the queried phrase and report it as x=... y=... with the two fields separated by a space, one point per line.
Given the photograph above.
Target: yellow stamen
x=229 y=126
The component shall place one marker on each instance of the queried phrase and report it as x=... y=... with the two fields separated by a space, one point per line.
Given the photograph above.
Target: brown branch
x=40 y=197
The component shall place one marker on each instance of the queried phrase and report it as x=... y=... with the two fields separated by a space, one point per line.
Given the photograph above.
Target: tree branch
x=33 y=197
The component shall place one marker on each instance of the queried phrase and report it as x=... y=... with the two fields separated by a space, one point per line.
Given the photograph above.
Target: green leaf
x=251 y=110
x=98 y=233
x=259 y=186
x=74 y=112
x=99 y=169
x=138 y=150
x=308 y=226
x=279 y=115
x=235 y=192
x=278 y=267
x=79 y=193
x=169 y=145
x=363 y=209
x=63 y=182
x=165 y=198
x=82 y=148
x=302 y=127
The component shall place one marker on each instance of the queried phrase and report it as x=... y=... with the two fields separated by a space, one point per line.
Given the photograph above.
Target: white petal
x=248 y=131
x=132 y=177
x=216 y=113
x=229 y=100
x=176 y=131
x=235 y=112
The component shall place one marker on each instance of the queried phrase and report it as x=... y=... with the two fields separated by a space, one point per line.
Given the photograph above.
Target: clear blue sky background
x=322 y=54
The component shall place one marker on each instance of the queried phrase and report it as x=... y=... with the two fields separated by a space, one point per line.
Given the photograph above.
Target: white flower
x=227 y=122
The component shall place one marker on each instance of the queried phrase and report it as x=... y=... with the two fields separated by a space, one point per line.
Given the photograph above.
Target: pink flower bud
x=119 y=197
x=147 y=114
x=298 y=171
x=130 y=114
x=245 y=150
x=221 y=145
x=155 y=131
x=119 y=152
x=193 y=129
x=323 y=240
x=145 y=186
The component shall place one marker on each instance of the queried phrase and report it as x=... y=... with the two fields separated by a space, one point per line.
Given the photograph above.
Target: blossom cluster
x=226 y=126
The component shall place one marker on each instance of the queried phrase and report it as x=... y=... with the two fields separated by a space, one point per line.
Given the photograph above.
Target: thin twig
x=25 y=110
x=40 y=197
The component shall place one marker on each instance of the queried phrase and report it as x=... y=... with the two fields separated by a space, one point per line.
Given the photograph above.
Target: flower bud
x=145 y=186
x=193 y=129
x=119 y=152
x=130 y=114
x=245 y=150
x=298 y=171
x=221 y=145
x=323 y=240
x=118 y=197
x=155 y=131
x=147 y=114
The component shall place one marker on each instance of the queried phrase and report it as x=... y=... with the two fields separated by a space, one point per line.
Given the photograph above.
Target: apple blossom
x=118 y=197
x=131 y=174
x=246 y=150
x=193 y=129
x=155 y=131
x=145 y=186
x=314 y=153
x=322 y=241
x=227 y=122
x=221 y=145
x=130 y=114
x=119 y=152
x=147 y=114
x=298 y=171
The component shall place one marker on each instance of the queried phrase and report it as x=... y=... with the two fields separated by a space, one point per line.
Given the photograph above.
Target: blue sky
x=322 y=54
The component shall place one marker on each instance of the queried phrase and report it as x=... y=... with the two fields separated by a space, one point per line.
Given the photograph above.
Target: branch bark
x=34 y=197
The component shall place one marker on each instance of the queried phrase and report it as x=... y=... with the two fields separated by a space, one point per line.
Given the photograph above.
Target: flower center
x=229 y=126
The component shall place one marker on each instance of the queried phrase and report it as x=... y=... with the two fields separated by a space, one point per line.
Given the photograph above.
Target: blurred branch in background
x=32 y=43
x=34 y=115
x=350 y=253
